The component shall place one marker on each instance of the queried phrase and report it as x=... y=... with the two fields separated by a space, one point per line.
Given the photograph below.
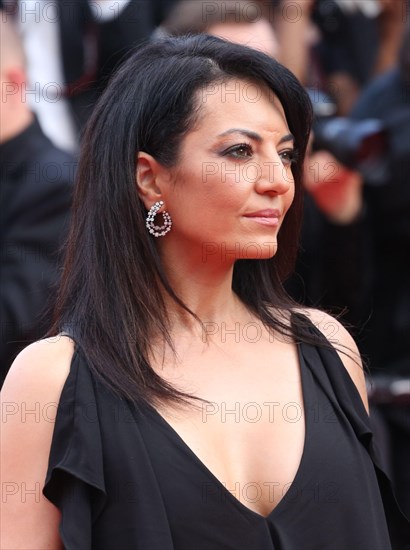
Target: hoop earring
x=158 y=230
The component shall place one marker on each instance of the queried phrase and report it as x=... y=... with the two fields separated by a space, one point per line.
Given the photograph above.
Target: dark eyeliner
x=237 y=147
x=293 y=155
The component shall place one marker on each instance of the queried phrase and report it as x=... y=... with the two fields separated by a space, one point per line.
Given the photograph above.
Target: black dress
x=125 y=480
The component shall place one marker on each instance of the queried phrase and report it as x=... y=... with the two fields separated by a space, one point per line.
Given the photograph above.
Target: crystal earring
x=158 y=230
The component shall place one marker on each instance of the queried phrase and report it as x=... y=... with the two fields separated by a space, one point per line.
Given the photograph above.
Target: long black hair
x=112 y=290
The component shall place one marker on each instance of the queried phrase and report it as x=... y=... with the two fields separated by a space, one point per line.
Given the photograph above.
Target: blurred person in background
x=239 y=21
x=71 y=49
x=35 y=198
x=338 y=45
x=357 y=39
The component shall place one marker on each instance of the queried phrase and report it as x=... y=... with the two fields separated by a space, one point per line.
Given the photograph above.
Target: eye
x=289 y=156
x=239 y=151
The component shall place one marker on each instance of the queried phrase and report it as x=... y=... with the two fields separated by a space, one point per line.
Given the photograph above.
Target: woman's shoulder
x=30 y=396
x=40 y=370
x=331 y=328
x=342 y=341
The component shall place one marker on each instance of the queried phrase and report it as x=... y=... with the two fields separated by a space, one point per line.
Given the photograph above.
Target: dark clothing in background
x=92 y=49
x=35 y=198
x=330 y=272
x=123 y=478
x=349 y=41
x=387 y=335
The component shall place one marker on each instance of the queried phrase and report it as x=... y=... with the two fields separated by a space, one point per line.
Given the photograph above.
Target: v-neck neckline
x=301 y=467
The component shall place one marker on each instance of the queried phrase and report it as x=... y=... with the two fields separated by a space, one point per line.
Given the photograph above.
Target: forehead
x=257 y=34
x=238 y=101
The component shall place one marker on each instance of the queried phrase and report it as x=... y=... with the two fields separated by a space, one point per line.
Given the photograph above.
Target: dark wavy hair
x=111 y=295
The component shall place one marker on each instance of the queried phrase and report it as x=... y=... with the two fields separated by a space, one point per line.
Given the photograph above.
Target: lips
x=267 y=213
x=265 y=217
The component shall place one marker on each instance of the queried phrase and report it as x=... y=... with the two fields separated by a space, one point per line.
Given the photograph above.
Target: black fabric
x=331 y=270
x=92 y=48
x=123 y=478
x=388 y=224
x=115 y=37
x=35 y=199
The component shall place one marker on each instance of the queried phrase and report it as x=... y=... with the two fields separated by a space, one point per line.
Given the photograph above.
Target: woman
x=198 y=407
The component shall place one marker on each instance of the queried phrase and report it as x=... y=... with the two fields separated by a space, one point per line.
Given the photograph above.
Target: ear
x=15 y=77
x=148 y=179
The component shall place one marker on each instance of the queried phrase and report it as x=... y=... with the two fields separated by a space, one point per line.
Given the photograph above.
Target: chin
x=240 y=250
x=259 y=250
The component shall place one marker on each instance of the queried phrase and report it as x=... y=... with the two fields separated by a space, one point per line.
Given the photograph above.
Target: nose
x=275 y=178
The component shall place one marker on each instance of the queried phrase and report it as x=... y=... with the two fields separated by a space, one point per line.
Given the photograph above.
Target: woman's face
x=233 y=184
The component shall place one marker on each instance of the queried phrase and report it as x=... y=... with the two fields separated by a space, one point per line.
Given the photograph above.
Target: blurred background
x=352 y=56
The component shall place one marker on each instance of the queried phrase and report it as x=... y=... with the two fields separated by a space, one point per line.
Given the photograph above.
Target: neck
x=204 y=284
x=14 y=124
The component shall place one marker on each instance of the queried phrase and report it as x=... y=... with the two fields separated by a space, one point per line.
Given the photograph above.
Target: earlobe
x=146 y=179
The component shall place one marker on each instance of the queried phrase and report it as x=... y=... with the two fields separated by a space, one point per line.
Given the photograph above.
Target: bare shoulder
x=30 y=396
x=330 y=327
x=41 y=368
x=344 y=344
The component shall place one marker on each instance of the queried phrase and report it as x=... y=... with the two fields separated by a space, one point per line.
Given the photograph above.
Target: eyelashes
x=242 y=151
x=239 y=151
x=289 y=156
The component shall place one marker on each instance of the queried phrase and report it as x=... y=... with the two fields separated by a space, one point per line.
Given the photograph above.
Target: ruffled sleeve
x=340 y=386
x=75 y=477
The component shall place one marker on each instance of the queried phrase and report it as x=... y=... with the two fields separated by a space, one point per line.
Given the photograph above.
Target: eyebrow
x=254 y=135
